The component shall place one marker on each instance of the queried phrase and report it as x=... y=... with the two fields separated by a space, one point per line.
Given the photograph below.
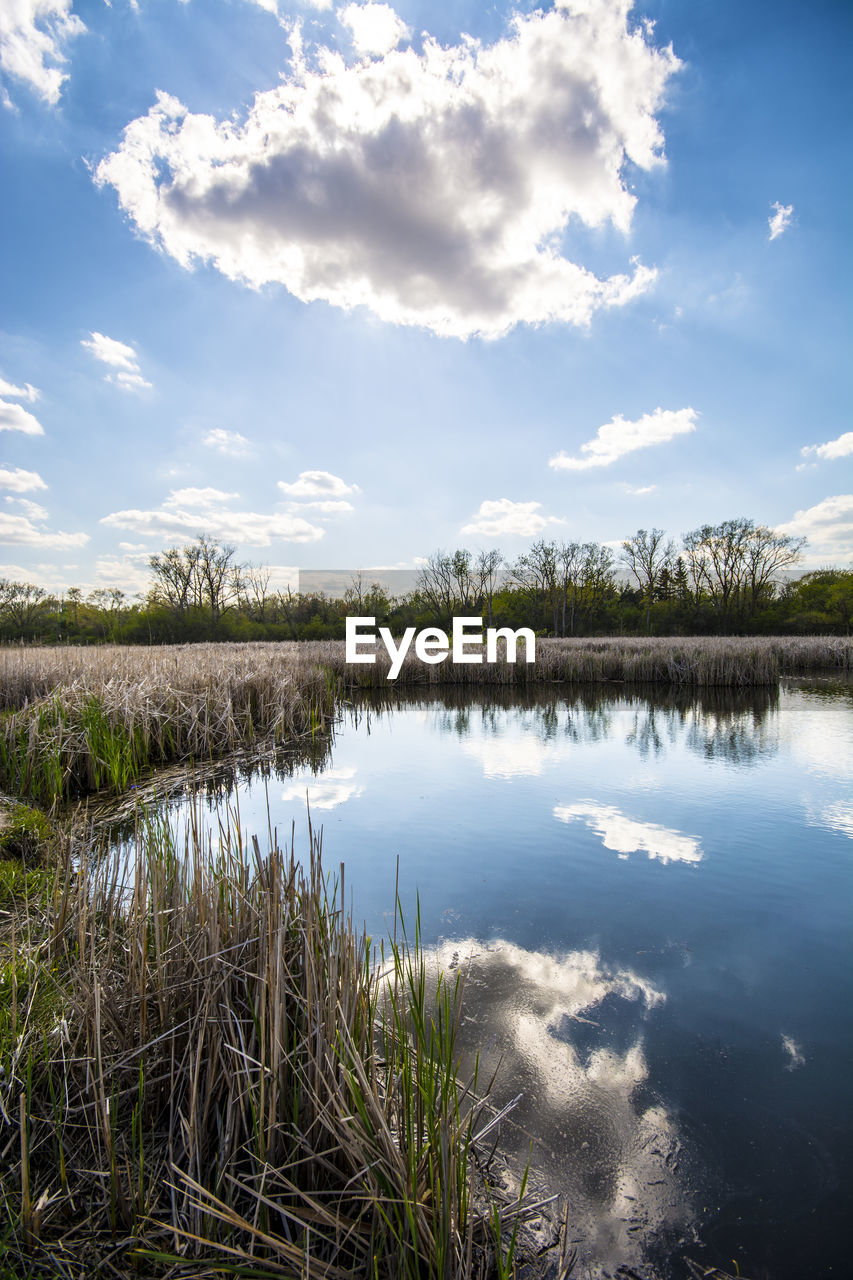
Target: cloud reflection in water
x=567 y=1031
x=626 y=835
x=326 y=791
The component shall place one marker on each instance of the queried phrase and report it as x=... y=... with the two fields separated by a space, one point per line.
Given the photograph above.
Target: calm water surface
x=652 y=901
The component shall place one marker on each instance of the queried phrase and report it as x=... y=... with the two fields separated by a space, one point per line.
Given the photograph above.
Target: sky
x=343 y=285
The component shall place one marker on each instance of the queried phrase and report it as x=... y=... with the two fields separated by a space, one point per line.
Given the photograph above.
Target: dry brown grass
x=733 y=661
x=79 y=720
x=223 y=1078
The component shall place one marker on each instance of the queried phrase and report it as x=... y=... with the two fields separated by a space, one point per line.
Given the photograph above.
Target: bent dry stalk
x=226 y=1080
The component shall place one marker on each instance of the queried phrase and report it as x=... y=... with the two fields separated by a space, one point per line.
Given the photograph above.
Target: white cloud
x=619 y=436
x=33 y=35
x=26 y=392
x=21 y=531
x=780 y=220
x=119 y=356
x=317 y=484
x=110 y=351
x=130 y=571
x=504 y=517
x=375 y=28
x=639 y=491
x=130 y=381
x=50 y=576
x=202 y=498
x=840 y=448
x=331 y=507
x=20 y=481
x=13 y=417
x=231 y=443
x=327 y=791
x=186 y=513
x=432 y=187
x=32 y=510
x=829 y=528
x=511 y=757
x=624 y=835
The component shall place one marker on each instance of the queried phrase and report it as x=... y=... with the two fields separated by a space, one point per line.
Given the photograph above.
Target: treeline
x=733 y=578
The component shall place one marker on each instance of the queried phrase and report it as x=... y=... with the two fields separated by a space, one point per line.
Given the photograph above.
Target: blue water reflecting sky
x=651 y=900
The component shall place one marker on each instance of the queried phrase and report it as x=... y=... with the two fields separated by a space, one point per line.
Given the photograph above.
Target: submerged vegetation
x=206 y=1070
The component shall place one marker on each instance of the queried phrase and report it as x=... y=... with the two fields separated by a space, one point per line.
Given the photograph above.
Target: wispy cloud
x=780 y=221
x=119 y=356
x=501 y=517
x=186 y=513
x=431 y=187
x=231 y=443
x=620 y=436
x=33 y=37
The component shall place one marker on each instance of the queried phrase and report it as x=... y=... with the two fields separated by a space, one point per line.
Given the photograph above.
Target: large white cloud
x=501 y=516
x=619 y=436
x=186 y=513
x=33 y=35
x=829 y=528
x=431 y=187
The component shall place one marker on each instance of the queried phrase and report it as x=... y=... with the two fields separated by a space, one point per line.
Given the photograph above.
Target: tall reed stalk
x=231 y=1080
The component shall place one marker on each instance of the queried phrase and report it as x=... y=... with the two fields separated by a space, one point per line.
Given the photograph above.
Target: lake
x=650 y=896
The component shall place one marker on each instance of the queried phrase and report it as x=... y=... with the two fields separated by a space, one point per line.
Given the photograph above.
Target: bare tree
x=569 y=559
x=256 y=589
x=735 y=561
x=201 y=575
x=768 y=554
x=648 y=554
x=487 y=566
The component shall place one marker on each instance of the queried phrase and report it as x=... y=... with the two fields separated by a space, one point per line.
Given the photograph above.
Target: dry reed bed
x=231 y=1084
x=81 y=719
x=734 y=661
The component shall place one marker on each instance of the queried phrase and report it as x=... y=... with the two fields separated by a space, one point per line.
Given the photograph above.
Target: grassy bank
x=206 y=1070
x=79 y=720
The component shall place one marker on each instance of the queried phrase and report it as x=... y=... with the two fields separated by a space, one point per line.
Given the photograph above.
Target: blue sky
x=345 y=285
